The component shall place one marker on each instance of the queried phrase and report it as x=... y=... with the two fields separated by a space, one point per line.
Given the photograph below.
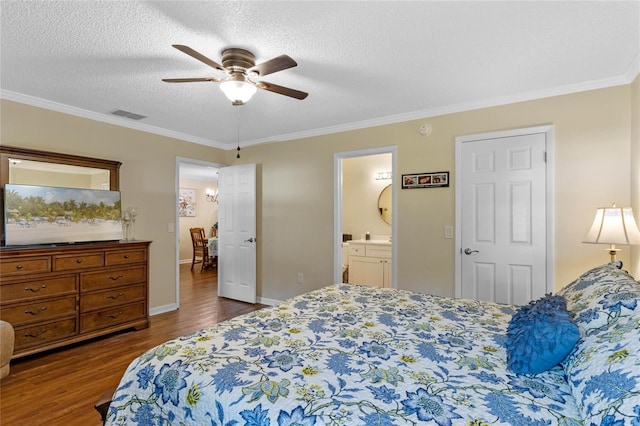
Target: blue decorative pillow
x=540 y=335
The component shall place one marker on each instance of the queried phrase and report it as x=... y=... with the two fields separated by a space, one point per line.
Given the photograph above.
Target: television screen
x=46 y=214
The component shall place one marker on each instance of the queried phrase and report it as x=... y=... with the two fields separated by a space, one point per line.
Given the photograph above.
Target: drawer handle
x=113 y=316
x=116 y=277
x=44 y=330
x=78 y=260
x=112 y=297
x=126 y=256
x=38 y=312
x=35 y=290
x=18 y=267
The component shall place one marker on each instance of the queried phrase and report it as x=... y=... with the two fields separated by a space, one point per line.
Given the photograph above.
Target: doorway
x=378 y=226
x=198 y=179
x=504 y=215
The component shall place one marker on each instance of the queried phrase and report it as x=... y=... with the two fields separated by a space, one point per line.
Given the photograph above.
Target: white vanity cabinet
x=370 y=263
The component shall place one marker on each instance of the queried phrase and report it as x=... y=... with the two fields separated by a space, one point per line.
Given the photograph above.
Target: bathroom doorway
x=365 y=203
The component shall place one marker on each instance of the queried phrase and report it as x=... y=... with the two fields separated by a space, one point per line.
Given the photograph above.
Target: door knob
x=469 y=251
x=250 y=240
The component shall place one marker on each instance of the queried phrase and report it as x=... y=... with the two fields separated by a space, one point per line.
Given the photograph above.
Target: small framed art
x=187 y=202
x=425 y=180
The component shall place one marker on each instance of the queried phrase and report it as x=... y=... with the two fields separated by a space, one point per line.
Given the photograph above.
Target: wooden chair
x=200 y=248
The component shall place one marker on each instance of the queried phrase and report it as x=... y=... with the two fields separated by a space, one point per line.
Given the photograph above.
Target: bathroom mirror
x=384 y=204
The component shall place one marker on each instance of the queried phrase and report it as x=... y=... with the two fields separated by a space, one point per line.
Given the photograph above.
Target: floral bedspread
x=344 y=355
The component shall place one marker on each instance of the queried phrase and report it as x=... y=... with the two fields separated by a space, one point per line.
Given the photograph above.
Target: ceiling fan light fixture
x=238 y=91
x=241 y=67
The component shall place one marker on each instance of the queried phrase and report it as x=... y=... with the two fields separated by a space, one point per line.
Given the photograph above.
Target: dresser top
x=69 y=248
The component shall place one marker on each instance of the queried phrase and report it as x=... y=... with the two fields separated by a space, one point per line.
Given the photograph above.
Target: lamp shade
x=614 y=225
x=237 y=91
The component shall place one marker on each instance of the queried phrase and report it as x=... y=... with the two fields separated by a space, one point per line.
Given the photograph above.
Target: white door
x=502 y=217
x=237 y=232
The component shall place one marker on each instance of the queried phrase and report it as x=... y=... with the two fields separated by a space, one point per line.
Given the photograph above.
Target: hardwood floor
x=60 y=387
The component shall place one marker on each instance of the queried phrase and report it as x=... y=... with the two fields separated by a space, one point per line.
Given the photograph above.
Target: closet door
x=503 y=211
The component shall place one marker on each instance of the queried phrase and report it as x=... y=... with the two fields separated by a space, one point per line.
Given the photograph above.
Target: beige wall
x=295 y=186
x=147 y=174
x=206 y=216
x=592 y=168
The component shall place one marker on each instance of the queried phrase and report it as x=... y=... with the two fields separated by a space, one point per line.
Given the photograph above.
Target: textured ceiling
x=362 y=63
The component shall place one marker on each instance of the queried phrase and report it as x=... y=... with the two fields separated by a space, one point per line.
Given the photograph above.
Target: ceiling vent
x=129 y=115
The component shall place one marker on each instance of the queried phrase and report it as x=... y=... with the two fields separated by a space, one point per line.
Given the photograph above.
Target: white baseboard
x=163 y=309
x=174 y=307
x=268 y=302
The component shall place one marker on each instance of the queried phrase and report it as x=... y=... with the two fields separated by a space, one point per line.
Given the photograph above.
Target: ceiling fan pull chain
x=238 y=128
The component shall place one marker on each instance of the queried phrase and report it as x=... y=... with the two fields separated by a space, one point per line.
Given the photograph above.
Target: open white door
x=237 y=232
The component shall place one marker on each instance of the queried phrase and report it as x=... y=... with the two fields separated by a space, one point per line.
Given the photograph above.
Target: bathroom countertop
x=373 y=242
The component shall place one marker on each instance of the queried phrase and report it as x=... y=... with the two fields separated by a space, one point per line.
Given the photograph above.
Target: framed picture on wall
x=187 y=202
x=425 y=180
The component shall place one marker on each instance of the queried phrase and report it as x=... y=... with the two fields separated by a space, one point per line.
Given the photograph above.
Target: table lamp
x=613 y=225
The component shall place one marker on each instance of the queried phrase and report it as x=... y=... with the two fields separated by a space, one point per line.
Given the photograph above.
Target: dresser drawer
x=114 y=278
x=37 y=289
x=25 y=266
x=44 y=333
x=125 y=257
x=79 y=261
x=38 y=311
x=113 y=297
x=110 y=317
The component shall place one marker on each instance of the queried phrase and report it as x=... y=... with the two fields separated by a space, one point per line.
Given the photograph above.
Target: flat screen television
x=51 y=215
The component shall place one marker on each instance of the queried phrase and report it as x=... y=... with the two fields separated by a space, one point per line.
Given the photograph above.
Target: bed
x=357 y=355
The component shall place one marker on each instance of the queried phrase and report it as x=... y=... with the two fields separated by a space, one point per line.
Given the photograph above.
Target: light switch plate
x=448 y=231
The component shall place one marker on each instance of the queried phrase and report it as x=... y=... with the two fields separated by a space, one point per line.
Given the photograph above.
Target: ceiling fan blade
x=190 y=80
x=199 y=56
x=280 y=63
x=282 y=90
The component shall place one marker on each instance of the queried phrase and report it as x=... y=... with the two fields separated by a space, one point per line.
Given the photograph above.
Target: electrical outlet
x=300 y=277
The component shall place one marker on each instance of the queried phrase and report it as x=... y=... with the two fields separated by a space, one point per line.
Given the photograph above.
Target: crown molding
x=105 y=118
x=632 y=72
x=627 y=78
x=634 y=68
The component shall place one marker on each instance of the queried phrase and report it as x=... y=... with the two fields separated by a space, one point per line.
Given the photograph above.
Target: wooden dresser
x=57 y=295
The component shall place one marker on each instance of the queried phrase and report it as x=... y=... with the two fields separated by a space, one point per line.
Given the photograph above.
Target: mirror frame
x=390 y=188
x=7 y=152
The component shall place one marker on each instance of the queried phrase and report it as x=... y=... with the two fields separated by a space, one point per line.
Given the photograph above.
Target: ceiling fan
x=241 y=68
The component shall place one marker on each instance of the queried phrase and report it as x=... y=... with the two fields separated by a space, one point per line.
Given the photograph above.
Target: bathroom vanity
x=370 y=262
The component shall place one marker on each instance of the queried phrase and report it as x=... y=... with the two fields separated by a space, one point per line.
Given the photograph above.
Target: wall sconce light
x=212 y=195
x=382 y=175
x=613 y=225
